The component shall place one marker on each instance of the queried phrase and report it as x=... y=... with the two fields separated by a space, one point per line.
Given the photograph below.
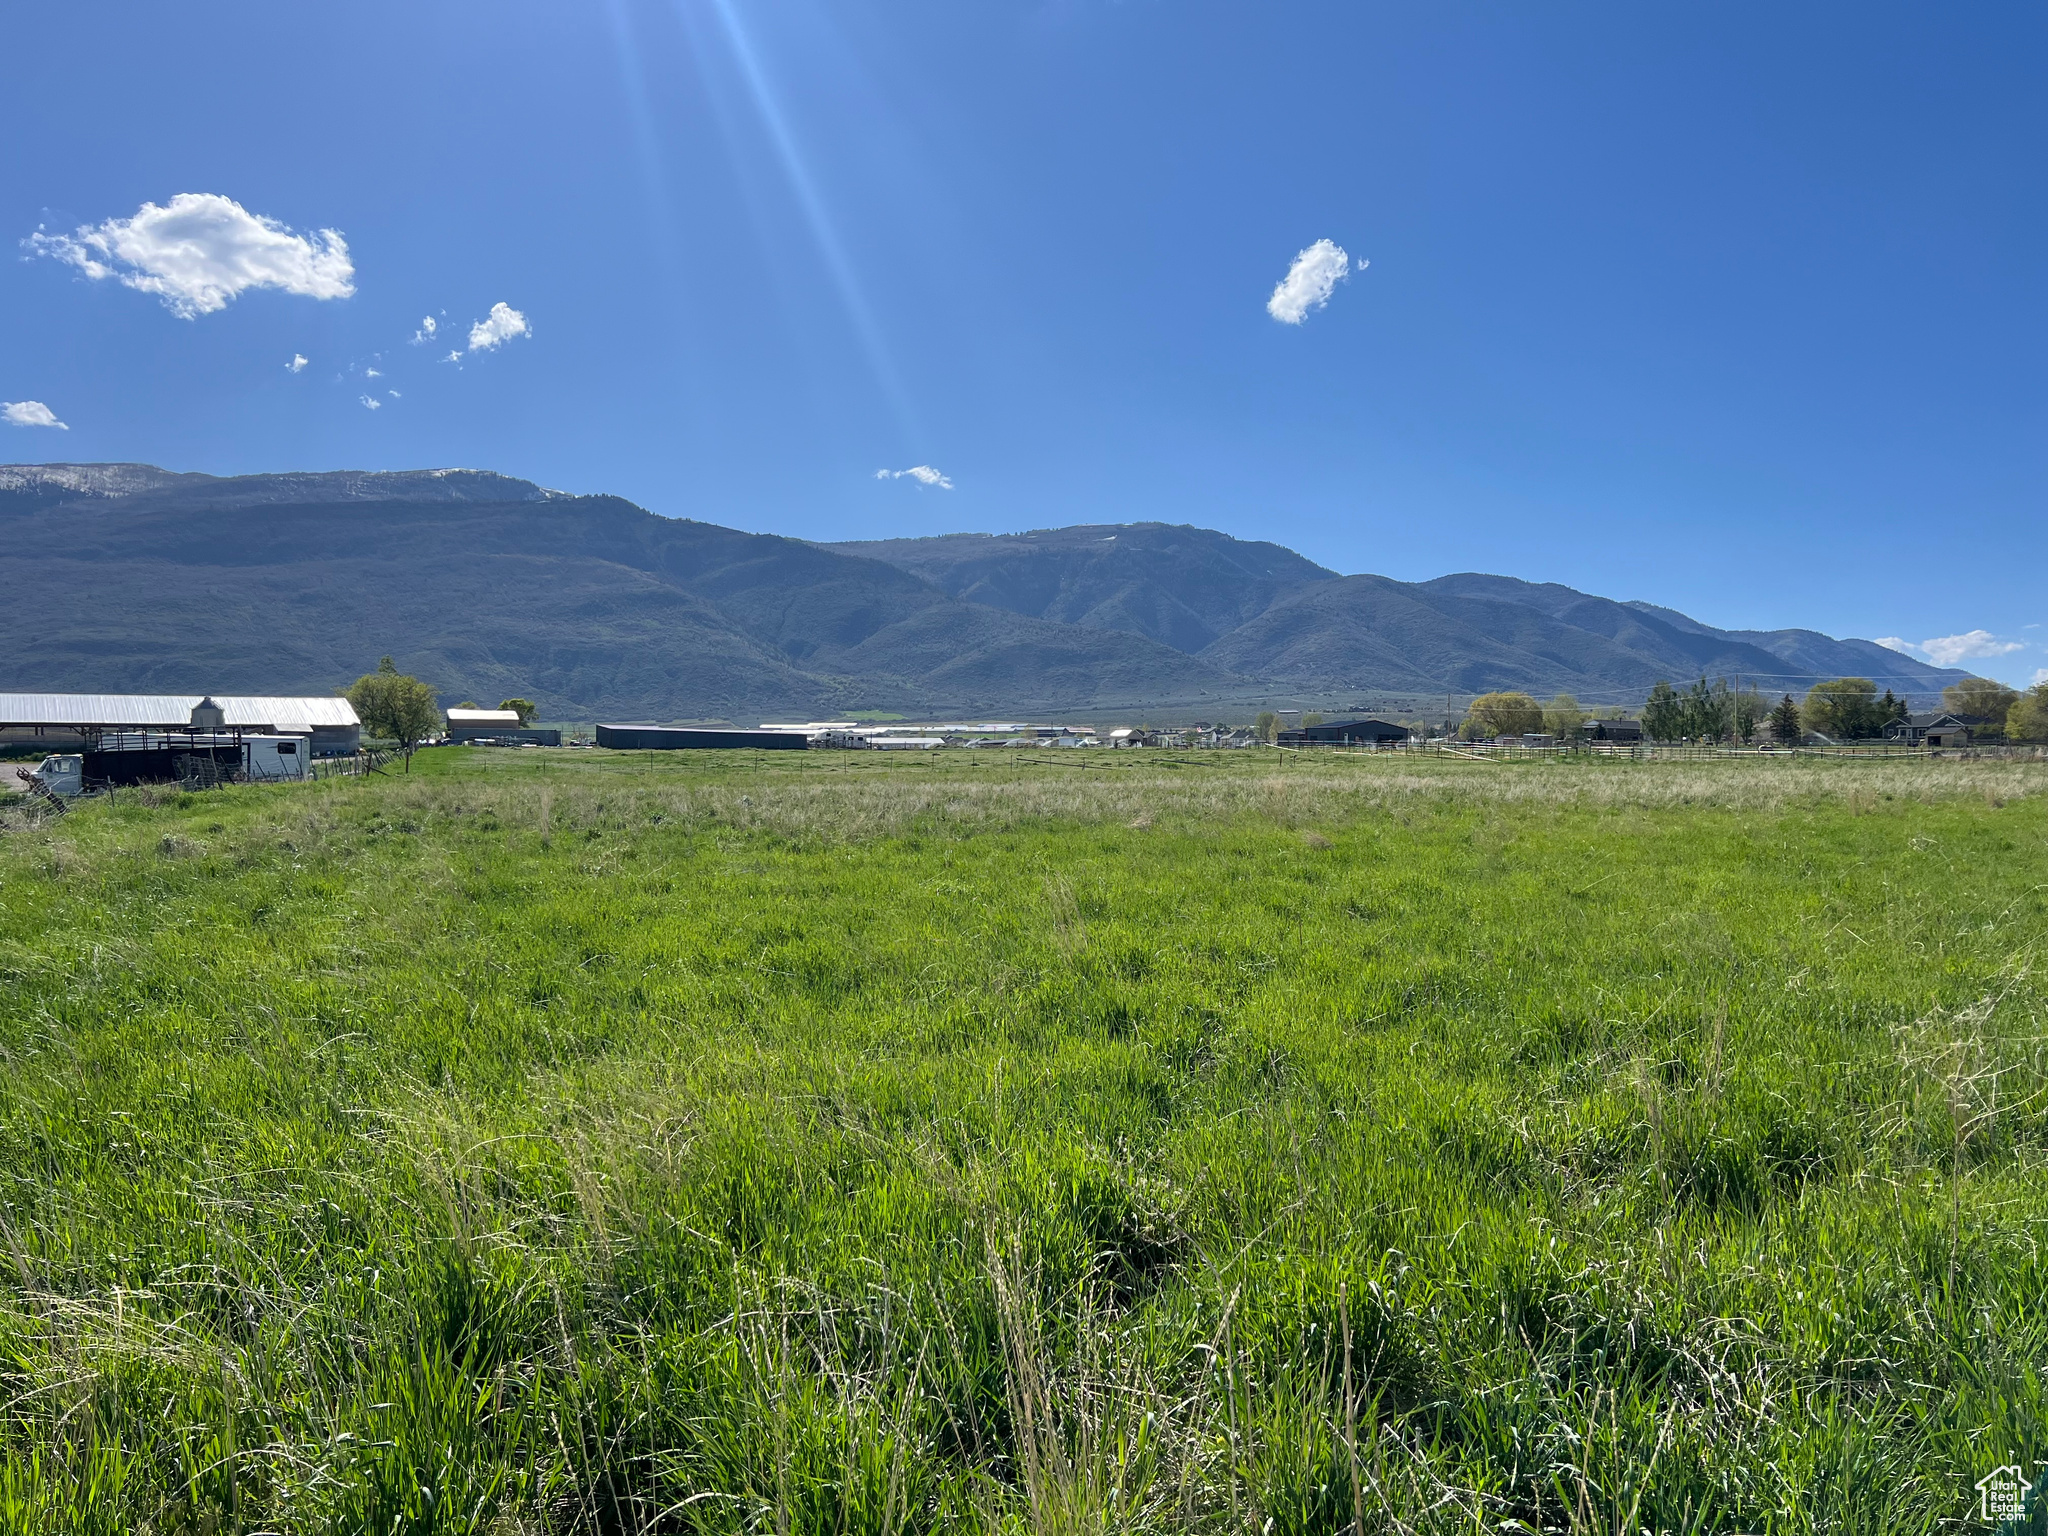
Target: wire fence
x=356 y=765
x=1665 y=751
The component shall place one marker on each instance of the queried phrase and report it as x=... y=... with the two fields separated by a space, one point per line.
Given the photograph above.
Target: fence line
x=1662 y=751
x=355 y=766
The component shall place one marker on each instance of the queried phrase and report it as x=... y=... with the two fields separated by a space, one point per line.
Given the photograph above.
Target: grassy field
x=550 y=1142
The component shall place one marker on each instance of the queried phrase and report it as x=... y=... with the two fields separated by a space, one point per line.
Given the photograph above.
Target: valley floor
x=549 y=1142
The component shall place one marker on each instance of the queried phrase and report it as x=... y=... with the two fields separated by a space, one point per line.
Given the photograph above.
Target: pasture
x=548 y=1142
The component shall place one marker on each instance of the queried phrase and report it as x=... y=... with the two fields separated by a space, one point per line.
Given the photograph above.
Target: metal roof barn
x=172 y=711
x=331 y=723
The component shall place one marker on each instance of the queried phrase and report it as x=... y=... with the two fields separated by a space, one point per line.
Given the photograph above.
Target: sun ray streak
x=817 y=216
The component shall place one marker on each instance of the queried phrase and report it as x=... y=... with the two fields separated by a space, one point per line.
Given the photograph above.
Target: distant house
x=1345 y=733
x=1614 y=730
x=1940 y=729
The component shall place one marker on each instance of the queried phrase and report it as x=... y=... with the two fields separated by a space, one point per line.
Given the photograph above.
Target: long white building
x=68 y=721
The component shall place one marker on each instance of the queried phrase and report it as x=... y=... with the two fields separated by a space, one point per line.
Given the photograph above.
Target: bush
x=2027 y=718
x=1844 y=708
x=1502 y=714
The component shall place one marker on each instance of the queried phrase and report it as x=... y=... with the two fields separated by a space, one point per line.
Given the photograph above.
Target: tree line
x=1841 y=709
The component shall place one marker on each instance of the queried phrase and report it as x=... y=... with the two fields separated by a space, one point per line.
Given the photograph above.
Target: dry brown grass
x=891 y=798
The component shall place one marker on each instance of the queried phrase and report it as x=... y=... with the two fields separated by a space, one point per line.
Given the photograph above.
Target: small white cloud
x=1310 y=282
x=495 y=329
x=1894 y=643
x=200 y=250
x=30 y=413
x=372 y=403
x=452 y=357
x=923 y=474
x=394 y=394
x=372 y=373
x=425 y=333
x=297 y=364
x=2040 y=675
x=1947 y=650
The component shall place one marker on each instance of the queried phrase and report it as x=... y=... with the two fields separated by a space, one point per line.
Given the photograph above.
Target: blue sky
x=1737 y=308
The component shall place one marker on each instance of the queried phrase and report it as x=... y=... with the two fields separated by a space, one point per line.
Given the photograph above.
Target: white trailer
x=266 y=758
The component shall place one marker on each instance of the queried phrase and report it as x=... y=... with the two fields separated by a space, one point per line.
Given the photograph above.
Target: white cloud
x=297 y=364
x=923 y=474
x=199 y=250
x=1310 y=282
x=394 y=394
x=500 y=326
x=425 y=333
x=1947 y=650
x=30 y=413
x=372 y=403
x=2040 y=675
x=372 y=373
x=452 y=357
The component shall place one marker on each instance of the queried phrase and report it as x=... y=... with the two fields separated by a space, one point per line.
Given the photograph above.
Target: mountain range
x=133 y=578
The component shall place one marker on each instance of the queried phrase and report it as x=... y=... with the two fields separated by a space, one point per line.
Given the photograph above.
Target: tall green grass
x=552 y=1142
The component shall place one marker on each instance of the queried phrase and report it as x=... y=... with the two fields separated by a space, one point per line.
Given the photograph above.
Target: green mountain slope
x=1266 y=612
x=1472 y=634
x=1804 y=655
x=1185 y=587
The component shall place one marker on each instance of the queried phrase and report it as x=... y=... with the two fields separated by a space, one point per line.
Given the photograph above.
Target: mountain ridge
x=149 y=578
x=583 y=602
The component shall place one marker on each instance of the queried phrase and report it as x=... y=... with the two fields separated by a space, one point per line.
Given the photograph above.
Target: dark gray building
x=1614 y=730
x=672 y=738
x=1346 y=733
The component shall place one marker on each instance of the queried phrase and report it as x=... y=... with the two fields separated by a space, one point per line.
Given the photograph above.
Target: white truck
x=61 y=773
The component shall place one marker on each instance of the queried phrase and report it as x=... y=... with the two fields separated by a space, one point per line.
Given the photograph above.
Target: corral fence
x=1663 y=751
x=356 y=765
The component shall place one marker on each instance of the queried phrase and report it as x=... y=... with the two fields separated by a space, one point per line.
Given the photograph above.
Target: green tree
x=1750 y=711
x=1502 y=714
x=1267 y=726
x=2027 y=720
x=1844 y=709
x=1785 y=721
x=396 y=706
x=525 y=708
x=1663 y=714
x=1705 y=712
x=1311 y=718
x=1563 y=718
x=1980 y=698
